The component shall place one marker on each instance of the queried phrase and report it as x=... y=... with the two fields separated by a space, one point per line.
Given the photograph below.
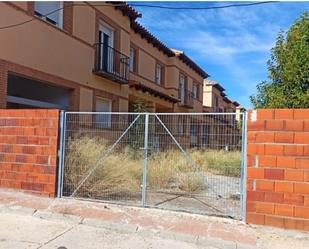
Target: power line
x=140 y=5
x=202 y=8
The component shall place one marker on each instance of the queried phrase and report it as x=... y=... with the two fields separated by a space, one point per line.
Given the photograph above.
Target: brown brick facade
x=28 y=150
x=278 y=168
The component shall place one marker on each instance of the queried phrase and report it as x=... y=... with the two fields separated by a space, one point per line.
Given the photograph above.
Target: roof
x=133 y=14
x=182 y=56
x=144 y=88
x=214 y=84
x=235 y=103
x=145 y=34
x=126 y=9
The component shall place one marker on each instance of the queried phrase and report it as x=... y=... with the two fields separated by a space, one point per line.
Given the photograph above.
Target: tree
x=288 y=69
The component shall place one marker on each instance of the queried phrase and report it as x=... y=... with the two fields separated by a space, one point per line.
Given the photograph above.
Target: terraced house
x=90 y=56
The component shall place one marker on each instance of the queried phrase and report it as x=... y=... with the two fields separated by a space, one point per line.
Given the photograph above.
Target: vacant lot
x=200 y=180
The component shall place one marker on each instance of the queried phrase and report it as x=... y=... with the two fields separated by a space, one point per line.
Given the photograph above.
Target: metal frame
x=244 y=167
x=61 y=152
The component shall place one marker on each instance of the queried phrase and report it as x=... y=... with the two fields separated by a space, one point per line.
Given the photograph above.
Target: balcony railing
x=111 y=64
x=186 y=98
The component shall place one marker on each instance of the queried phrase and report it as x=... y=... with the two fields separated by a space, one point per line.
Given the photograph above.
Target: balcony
x=111 y=64
x=186 y=98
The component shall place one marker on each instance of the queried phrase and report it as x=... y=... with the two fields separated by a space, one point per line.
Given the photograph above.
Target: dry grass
x=220 y=162
x=121 y=172
x=114 y=175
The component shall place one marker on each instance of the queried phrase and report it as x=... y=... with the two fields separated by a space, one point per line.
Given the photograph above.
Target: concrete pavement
x=35 y=222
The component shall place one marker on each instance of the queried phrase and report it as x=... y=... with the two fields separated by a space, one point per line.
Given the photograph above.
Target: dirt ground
x=34 y=222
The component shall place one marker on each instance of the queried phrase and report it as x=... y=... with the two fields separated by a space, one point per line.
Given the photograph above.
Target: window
x=106 y=41
x=195 y=91
x=182 y=82
x=132 y=59
x=42 y=9
x=158 y=78
x=216 y=104
x=103 y=120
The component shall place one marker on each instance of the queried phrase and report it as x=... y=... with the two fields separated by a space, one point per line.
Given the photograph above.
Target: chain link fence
x=187 y=162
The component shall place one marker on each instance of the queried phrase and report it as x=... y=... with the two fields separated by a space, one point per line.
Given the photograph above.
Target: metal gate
x=193 y=162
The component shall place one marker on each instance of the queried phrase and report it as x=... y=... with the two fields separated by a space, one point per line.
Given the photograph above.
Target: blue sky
x=232 y=45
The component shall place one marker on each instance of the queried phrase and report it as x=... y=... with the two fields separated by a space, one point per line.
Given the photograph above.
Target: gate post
x=61 y=154
x=144 y=190
x=244 y=167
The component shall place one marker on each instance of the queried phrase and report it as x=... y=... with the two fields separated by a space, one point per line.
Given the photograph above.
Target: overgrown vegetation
x=121 y=172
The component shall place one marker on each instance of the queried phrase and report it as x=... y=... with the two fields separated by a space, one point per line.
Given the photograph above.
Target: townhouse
x=222 y=131
x=91 y=56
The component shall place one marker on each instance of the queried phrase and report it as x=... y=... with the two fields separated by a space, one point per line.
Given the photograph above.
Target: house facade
x=215 y=98
x=91 y=56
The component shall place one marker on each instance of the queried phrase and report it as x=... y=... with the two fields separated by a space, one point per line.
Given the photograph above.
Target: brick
x=274 y=197
x=250 y=161
x=285 y=162
x=306 y=225
x=265 y=137
x=295 y=224
x=265 y=114
x=274 y=221
x=267 y=161
x=255 y=196
x=306 y=125
x=301 y=188
x=250 y=206
x=306 y=201
x=42 y=159
x=301 y=114
x=306 y=150
x=258 y=125
x=284 y=187
x=302 y=163
x=284 y=210
x=274 y=125
x=293 y=125
x=275 y=174
x=284 y=137
x=301 y=138
x=271 y=149
x=262 y=185
x=254 y=218
x=264 y=208
x=255 y=173
x=249 y=184
x=251 y=135
x=293 y=150
x=293 y=199
x=306 y=176
x=10 y=184
x=301 y=212
x=255 y=149
x=49 y=188
x=293 y=175
x=284 y=113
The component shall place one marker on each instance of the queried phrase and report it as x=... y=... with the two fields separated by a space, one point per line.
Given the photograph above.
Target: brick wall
x=278 y=168
x=28 y=150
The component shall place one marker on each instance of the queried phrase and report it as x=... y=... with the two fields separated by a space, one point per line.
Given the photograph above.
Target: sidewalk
x=35 y=222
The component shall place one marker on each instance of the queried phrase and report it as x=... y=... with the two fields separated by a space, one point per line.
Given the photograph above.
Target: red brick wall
x=278 y=168
x=28 y=150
